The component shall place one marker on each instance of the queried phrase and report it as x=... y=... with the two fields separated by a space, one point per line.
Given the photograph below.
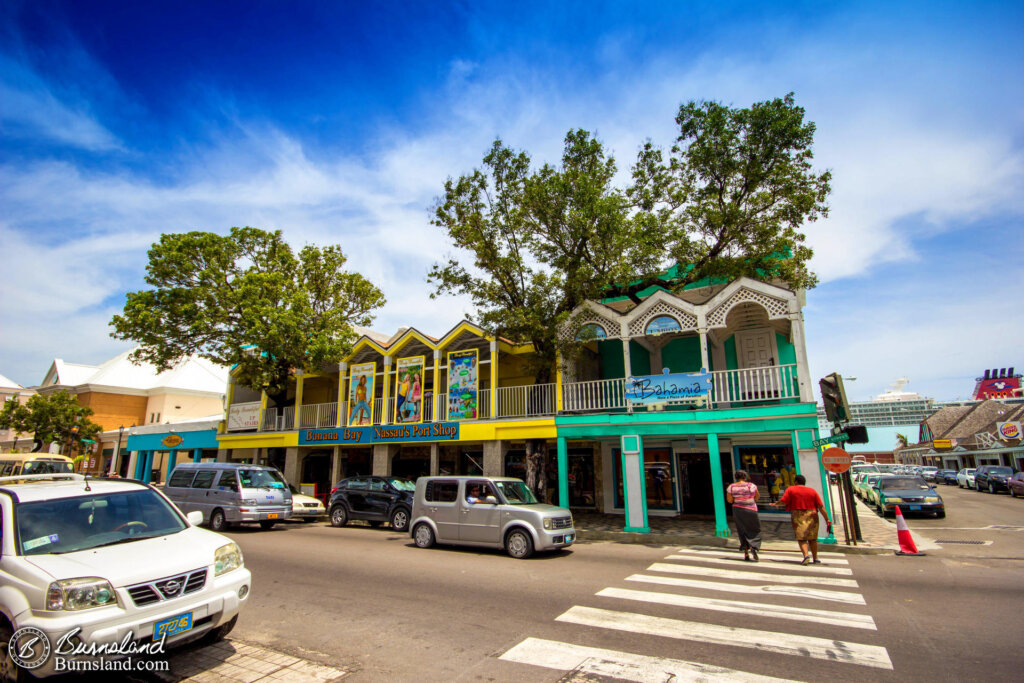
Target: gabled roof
x=194 y=374
x=943 y=419
x=68 y=374
x=9 y=384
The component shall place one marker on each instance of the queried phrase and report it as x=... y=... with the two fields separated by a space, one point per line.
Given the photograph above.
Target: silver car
x=493 y=512
x=230 y=493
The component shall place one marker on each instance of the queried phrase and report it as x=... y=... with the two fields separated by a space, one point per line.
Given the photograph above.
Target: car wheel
x=267 y=524
x=339 y=515
x=400 y=519
x=941 y=514
x=991 y=487
x=9 y=671
x=218 y=634
x=1013 y=492
x=218 y=522
x=518 y=544
x=423 y=536
x=977 y=486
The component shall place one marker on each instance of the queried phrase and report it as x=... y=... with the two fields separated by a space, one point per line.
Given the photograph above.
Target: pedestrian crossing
x=681 y=599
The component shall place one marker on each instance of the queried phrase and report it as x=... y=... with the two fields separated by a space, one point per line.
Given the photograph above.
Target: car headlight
x=892 y=500
x=227 y=558
x=547 y=522
x=932 y=499
x=78 y=594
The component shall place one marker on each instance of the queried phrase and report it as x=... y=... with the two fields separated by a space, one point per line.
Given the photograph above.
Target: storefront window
x=581 y=477
x=659 y=479
x=771 y=468
x=411 y=462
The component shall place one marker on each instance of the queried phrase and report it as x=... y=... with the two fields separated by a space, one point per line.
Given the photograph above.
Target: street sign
x=836 y=460
x=835 y=438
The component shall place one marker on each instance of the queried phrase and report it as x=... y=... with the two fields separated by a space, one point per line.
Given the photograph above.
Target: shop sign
x=351 y=436
x=1009 y=430
x=668 y=387
x=463 y=381
x=244 y=416
x=360 y=394
x=942 y=443
x=172 y=440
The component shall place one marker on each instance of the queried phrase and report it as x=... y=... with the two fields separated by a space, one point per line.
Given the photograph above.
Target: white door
x=757 y=356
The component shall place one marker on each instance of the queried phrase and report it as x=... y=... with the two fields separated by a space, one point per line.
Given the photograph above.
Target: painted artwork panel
x=463 y=379
x=409 y=390
x=360 y=394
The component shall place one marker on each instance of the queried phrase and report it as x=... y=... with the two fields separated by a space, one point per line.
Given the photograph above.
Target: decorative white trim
x=775 y=307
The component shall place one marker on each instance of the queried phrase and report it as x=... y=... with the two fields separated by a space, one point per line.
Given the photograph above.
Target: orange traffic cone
x=906 y=541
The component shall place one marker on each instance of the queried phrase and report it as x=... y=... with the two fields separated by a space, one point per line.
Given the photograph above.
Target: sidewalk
x=879 y=534
x=232 y=661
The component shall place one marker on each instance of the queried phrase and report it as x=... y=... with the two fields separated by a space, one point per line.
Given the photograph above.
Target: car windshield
x=47 y=467
x=1000 y=470
x=254 y=479
x=403 y=484
x=892 y=483
x=516 y=492
x=65 y=525
x=866 y=468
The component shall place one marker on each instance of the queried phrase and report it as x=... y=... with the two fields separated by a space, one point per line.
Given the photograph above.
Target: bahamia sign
x=668 y=387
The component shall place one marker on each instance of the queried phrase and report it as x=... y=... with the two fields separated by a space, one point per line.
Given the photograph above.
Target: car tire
x=519 y=544
x=218 y=522
x=977 y=486
x=267 y=524
x=220 y=633
x=1013 y=492
x=991 y=487
x=423 y=536
x=400 y=519
x=940 y=515
x=9 y=671
x=339 y=515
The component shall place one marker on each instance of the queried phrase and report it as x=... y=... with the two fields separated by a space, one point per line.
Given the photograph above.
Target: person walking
x=743 y=495
x=804 y=504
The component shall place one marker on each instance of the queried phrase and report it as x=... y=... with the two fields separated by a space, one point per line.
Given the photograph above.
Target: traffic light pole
x=846 y=493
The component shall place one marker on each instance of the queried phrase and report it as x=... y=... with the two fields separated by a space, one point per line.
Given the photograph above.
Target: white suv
x=114 y=558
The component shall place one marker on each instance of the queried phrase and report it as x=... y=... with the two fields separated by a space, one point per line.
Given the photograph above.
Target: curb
x=714 y=542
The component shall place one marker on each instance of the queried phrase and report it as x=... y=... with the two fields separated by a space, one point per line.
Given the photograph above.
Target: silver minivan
x=494 y=512
x=230 y=493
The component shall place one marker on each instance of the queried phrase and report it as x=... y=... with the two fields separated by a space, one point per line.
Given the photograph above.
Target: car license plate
x=272 y=515
x=173 y=626
x=915 y=507
x=569 y=538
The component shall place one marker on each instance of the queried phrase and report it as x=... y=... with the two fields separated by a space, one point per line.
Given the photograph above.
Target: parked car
x=114 y=558
x=949 y=477
x=503 y=513
x=868 y=488
x=1017 y=485
x=928 y=473
x=992 y=478
x=231 y=493
x=306 y=508
x=965 y=478
x=374 y=499
x=911 y=493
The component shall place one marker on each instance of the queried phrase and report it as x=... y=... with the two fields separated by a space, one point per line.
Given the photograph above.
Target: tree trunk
x=537 y=467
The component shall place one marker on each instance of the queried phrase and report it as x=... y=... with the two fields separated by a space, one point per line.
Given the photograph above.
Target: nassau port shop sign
x=350 y=436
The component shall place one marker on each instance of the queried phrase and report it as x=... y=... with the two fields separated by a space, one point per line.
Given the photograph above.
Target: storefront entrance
x=411 y=462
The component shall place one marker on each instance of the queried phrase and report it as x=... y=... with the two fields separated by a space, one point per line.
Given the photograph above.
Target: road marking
x=749 y=576
x=624 y=666
x=791 y=566
x=726 y=554
x=785 y=591
x=767 y=641
x=821 y=553
x=819 y=616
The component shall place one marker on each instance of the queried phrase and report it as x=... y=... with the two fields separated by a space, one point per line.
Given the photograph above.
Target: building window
x=663 y=324
x=591 y=331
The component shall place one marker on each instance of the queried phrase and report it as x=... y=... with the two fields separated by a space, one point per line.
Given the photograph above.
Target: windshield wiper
x=127 y=539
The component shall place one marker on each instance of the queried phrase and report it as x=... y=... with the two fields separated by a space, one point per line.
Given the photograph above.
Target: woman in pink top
x=743 y=495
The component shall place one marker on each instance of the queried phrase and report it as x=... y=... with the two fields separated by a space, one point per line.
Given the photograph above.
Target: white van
x=231 y=493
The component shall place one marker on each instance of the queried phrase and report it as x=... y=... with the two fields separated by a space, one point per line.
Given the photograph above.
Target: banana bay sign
x=437 y=431
x=649 y=389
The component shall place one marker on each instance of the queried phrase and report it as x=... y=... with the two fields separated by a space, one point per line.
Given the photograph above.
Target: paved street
x=367 y=602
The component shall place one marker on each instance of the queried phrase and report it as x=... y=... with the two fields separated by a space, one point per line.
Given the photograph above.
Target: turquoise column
x=147 y=467
x=172 y=459
x=563 y=472
x=197 y=454
x=717 y=487
x=634 y=487
x=140 y=460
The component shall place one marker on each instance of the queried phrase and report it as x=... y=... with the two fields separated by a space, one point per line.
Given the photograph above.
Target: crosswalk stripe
x=746 y=589
x=794 y=565
x=767 y=641
x=759 y=609
x=623 y=666
x=766 y=555
x=821 y=553
x=748 y=575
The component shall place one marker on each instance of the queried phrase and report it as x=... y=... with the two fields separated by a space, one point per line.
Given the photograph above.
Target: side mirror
x=195 y=518
x=491 y=499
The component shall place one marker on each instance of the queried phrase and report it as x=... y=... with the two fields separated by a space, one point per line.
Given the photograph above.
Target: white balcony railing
x=526 y=401
x=596 y=395
x=318 y=415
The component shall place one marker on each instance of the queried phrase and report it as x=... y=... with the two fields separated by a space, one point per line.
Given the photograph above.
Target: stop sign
x=836 y=460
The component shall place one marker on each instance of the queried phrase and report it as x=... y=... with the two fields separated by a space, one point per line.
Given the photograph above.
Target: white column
x=385 y=416
x=627 y=367
x=342 y=407
x=436 y=408
x=803 y=369
x=494 y=379
x=704 y=361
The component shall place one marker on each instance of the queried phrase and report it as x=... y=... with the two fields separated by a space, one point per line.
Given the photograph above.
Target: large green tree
x=729 y=199
x=246 y=299
x=53 y=417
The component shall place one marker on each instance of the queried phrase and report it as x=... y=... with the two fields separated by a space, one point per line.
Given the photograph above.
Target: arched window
x=662 y=324
x=591 y=331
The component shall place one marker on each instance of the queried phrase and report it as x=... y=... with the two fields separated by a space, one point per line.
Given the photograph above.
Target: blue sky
x=339 y=122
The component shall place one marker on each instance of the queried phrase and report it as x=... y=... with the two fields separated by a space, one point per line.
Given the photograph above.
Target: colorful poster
x=409 y=390
x=360 y=394
x=462 y=384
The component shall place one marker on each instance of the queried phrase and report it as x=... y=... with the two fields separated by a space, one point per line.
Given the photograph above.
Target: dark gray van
x=230 y=493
